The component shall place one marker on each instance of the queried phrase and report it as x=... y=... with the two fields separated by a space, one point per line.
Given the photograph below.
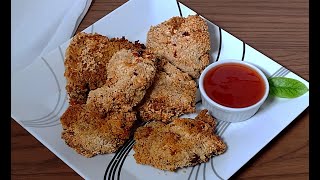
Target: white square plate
x=39 y=99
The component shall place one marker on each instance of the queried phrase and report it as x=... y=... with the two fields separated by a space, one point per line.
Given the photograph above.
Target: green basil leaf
x=286 y=87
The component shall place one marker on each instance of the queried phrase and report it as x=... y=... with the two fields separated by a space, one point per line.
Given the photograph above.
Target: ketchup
x=234 y=85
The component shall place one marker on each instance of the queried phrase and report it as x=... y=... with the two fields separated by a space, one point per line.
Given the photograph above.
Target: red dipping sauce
x=234 y=85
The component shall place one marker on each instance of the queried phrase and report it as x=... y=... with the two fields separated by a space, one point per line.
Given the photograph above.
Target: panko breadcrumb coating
x=172 y=94
x=185 y=42
x=85 y=62
x=90 y=135
x=183 y=142
x=130 y=73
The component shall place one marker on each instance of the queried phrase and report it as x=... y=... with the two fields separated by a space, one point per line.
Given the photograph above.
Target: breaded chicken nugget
x=185 y=42
x=172 y=94
x=130 y=74
x=90 y=135
x=183 y=142
x=85 y=63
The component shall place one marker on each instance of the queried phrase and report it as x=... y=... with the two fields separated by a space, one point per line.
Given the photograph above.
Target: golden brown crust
x=183 y=142
x=90 y=135
x=85 y=62
x=172 y=94
x=185 y=42
x=130 y=74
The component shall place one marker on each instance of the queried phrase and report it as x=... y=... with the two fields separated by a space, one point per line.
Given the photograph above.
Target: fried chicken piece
x=172 y=94
x=181 y=143
x=185 y=42
x=85 y=63
x=130 y=73
x=90 y=135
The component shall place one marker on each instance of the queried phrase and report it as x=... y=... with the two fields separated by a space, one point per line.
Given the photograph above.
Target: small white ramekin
x=226 y=113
